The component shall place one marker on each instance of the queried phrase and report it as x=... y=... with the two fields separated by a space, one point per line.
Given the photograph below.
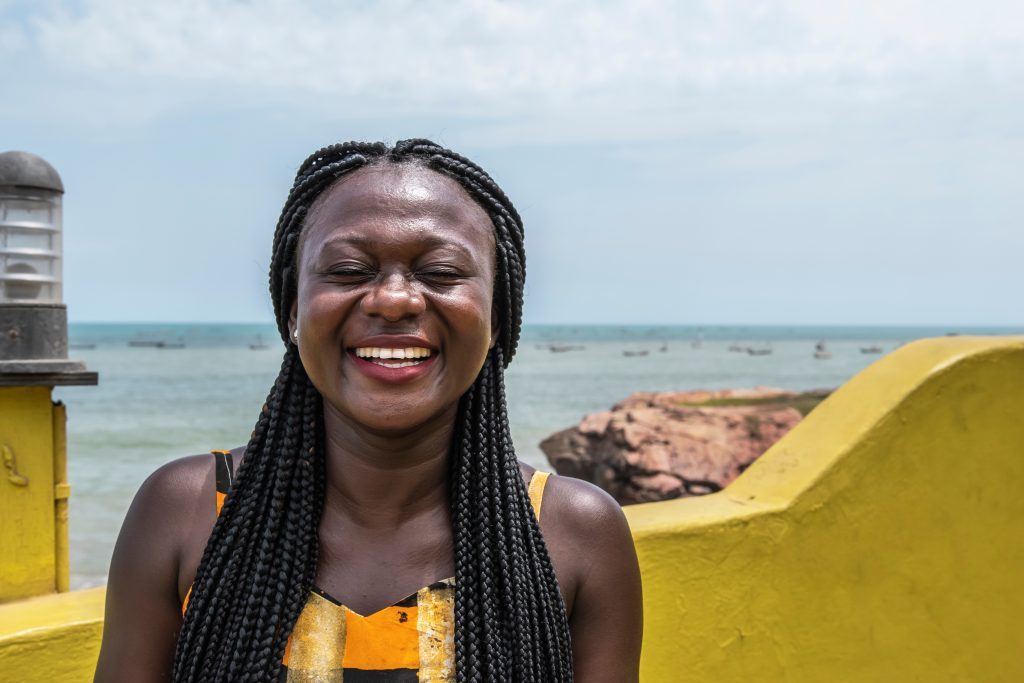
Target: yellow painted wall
x=52 y=639
x=880 y=540
x=27 y=538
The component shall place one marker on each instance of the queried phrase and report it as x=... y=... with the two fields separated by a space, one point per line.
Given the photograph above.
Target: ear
x=293 y=321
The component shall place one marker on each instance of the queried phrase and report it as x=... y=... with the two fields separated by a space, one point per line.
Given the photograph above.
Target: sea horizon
x=81 y=331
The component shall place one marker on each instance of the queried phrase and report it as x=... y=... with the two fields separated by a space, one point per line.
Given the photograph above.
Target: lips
x=396 y=373
x=393 y=359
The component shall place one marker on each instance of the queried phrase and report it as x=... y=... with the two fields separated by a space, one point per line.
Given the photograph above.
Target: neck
x=380 y=480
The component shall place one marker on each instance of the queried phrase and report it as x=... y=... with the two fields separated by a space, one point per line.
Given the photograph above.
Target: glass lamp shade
x=30 y=246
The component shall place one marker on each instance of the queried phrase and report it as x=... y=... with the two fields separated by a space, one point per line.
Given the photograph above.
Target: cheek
x=319 y=315
x=473 y=327
x=316 y=304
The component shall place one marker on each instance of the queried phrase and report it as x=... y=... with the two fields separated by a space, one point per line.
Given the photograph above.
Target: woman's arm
x=591 y=544
x=143 y=609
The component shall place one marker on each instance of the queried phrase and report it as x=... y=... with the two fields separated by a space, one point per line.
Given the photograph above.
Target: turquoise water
x=156 y=404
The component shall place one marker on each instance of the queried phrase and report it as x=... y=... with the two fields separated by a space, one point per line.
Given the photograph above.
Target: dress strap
x=536 y=490
x=225 y=475
x=225 y=467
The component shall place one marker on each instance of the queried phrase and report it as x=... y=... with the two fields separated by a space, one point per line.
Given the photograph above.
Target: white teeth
x=391 y=353
x=404 y=364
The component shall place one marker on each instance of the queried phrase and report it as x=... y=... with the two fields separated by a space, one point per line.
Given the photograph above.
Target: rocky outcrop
x=656 y=446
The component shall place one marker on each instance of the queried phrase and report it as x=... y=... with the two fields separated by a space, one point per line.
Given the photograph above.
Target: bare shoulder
x=582 y=525
x=143 y=607
x=581 y=502
x=592 y=549
x=169 y=498
x=166 y=513
x=585 y=518
x=575 y=503
x=176 y=483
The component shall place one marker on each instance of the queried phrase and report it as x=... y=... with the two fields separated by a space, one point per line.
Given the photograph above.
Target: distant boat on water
x=81 y=347
x=736 y=348
x=821 y=352
x=765 y=350
x=630 y=354
x=871 y=349
x=259 y=344
x=157 y=343
x=562 y=348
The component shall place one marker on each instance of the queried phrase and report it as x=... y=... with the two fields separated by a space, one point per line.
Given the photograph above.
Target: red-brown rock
x=656 y=446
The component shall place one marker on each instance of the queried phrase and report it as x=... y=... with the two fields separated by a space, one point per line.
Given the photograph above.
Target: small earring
x=295 y=336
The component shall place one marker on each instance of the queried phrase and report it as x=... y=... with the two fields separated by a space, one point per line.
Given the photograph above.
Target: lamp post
x=33 y=360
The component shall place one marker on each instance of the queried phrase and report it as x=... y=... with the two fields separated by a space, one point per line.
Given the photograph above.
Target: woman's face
x=395 y=284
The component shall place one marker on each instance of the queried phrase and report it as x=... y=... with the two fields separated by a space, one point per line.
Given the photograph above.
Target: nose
x=393 y=297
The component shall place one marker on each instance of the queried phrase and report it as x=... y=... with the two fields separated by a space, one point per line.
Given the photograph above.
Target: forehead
x=389 y=203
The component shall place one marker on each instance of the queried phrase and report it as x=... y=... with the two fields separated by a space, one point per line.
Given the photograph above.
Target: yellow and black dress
x=412 y=641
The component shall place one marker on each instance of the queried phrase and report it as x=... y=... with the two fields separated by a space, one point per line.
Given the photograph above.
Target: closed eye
x=440 y=276
x=349 y=274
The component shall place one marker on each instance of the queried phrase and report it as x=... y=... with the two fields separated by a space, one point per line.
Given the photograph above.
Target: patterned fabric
x=412 y=641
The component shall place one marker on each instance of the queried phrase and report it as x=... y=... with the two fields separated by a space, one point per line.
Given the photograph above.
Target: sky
x=704 y=162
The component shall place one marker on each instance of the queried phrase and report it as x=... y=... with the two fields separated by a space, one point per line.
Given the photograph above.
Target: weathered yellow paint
x=52 y=638
x=27 y=538
x=881 y=540
x=61 y=493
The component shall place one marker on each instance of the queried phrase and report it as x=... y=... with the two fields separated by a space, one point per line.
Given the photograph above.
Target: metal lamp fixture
x=33 y=318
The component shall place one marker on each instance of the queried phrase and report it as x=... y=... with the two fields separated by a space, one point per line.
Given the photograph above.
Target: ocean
x=203 y=390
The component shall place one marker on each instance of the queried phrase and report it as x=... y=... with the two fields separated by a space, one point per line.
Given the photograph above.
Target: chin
x=396 y=419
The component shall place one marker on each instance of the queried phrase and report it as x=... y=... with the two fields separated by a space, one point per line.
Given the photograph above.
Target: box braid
x=259 y=565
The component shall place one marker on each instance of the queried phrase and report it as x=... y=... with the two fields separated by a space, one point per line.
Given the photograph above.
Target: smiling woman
x=378 y=526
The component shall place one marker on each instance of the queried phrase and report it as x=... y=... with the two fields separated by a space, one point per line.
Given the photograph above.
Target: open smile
x=393 y=365
x=394 y=358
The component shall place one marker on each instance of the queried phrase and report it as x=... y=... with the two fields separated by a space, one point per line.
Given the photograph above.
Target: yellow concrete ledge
x=52 y=638
x=880 y=540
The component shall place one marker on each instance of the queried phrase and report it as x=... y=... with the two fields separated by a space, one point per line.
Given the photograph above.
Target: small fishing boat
x=821 y=352
x=631 y=354
x=259 y=344
x=758 y=351
x=157 y=343
x=871 y=349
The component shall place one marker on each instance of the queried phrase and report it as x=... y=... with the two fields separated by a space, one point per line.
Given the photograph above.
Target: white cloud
x=501 y=72
x=468 y=54
x=813 y=129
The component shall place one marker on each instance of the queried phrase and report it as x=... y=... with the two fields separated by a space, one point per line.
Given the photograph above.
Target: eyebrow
x=428 y=242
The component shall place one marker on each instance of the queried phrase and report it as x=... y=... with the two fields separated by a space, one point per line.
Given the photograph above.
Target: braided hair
x=259 y=565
